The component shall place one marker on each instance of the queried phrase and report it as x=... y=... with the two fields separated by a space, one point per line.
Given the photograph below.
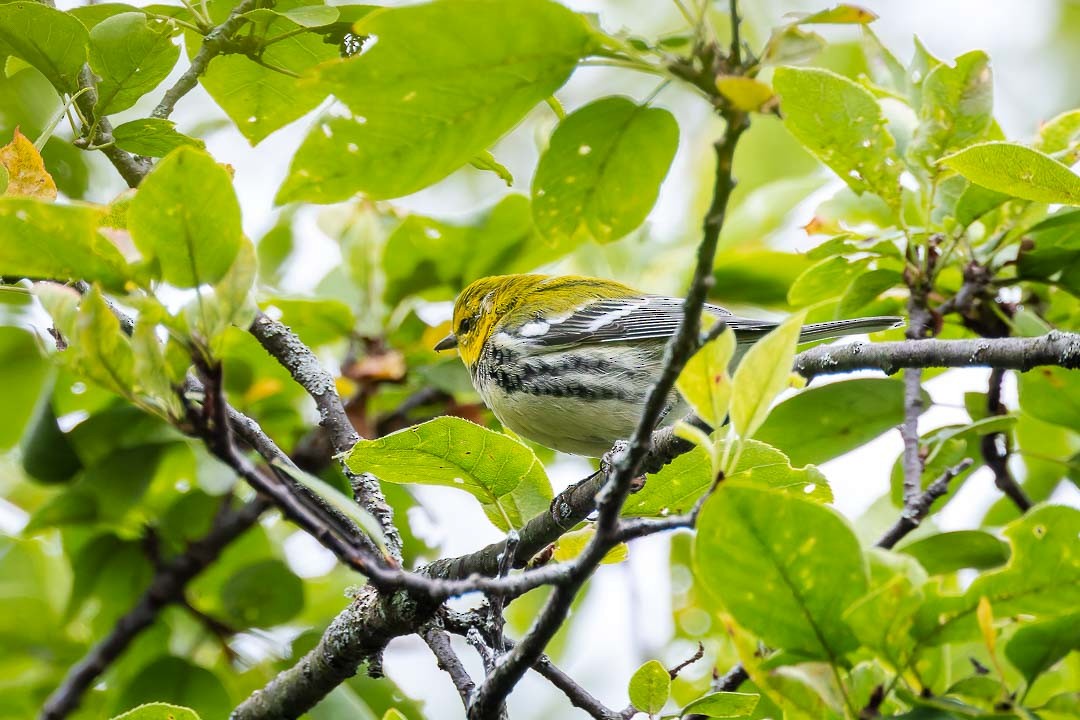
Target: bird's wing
x=624 y=319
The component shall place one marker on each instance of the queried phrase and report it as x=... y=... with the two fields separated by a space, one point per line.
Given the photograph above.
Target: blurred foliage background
x=92 y=490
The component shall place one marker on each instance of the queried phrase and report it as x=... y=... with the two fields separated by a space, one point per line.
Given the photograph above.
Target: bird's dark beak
x=447 y=343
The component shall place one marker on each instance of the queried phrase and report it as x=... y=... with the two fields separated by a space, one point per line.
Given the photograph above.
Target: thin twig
x=917 y=507
x=166 y=588
x=627 y=460
x=995 y=447
x=448 y=661
x=216 y=41
x=578 y=696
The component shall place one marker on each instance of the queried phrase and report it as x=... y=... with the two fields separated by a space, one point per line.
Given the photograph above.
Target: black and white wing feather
x=653 y=317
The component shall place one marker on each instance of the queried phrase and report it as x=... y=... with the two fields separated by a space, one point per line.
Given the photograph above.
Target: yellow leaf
x=705 y=382
x=985 y=615
x=570 y=545
x=26 y=170
x=840 y=15
x=745 y=93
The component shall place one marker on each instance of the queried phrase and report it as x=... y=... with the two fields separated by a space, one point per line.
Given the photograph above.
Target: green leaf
x=110 y=571
x=131 y=54
x=151 y=370
x=159 y=711
x=650 y=686
x=957 y=103
x=423 y=105
x=152 y=137
x=841 y=123
x=881 y=620
x=1052 y=394
x=756 y=276
x=1059 y=133
x=262 y=595
x=233 y=302
x=944 y=447
x=345 y=505
x=317 y=322
x=885 y=69
x=825 y=280
x=1042 y=578
x=683 y=481
x=486 y=161
x=948 y=552
x=178 y=681
x=46 y=452
x=705 y=383
x=842 y=14
x=784 y=567
x=103 y=351
x=762 y=374
x=1037 y=647
x=258 y=99
x=975 y=201
x=723 y=705
x=53 y=42
x=499 y=471
x=46 y=240
x=602 y=172
x=846 y=415
x=865 y=288
x=1016 y=170
x=186 y=216
x=24 y=374
x=309 y=16
x=571 y=544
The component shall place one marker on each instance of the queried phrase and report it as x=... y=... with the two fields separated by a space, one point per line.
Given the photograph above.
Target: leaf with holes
x=842 y=124
x=602 y=172
x=424 y=103
x=131 y=54
x=957 y=103
x=1042 y=579
x=1016 y=170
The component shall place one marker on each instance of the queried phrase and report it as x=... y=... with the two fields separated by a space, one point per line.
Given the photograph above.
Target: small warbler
x=567 y=361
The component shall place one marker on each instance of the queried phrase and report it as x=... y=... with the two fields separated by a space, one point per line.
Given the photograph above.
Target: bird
x=567 y=360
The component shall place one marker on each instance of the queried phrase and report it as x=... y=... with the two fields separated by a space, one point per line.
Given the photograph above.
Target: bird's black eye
x=464 y=326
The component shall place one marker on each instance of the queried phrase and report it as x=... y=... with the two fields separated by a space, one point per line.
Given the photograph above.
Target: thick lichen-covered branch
x=1055 y=348
x=306 y=369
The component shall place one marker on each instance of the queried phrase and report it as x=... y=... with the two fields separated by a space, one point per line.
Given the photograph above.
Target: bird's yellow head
x=507 y=301
x=479 y=309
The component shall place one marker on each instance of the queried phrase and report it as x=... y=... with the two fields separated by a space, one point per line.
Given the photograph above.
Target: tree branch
x=448 y=661
x=995 y=448
x=215 y=42
x=304 y=366
x=1054 y=348
x=578 y=696
x=917 y=507
x=628 y=458
x=166 y=588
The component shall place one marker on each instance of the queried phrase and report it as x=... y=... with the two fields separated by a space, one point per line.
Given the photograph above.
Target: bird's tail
x=750 y=331
x=855 y=326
